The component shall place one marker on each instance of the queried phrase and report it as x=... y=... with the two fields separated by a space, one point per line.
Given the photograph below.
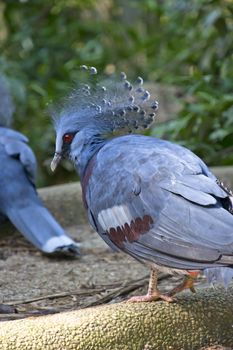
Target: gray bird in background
x=153 y=199
x=19 y=201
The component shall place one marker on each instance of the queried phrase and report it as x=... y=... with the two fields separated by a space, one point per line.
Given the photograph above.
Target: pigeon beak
x=56 y=159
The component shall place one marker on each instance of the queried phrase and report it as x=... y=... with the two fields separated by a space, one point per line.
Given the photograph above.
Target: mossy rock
x=194 y=321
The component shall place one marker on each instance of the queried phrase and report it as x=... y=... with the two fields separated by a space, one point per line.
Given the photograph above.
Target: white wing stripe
x=118 y=215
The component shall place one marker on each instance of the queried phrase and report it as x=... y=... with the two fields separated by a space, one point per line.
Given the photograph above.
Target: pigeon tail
x=41 y=229
x=223 y=275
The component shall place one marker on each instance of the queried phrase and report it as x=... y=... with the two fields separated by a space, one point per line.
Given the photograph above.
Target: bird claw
x=71 y=251
x=188 y=283
x=151 y=297
x=192 y=289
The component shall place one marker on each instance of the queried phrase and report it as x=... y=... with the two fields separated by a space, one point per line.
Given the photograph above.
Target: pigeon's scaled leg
x=187 y=283
x=153 y=292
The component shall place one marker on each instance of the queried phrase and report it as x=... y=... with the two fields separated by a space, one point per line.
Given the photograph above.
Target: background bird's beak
x=56 y=159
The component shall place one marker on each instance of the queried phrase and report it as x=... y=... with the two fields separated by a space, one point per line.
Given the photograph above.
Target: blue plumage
x=19 y=201
x=153 y=199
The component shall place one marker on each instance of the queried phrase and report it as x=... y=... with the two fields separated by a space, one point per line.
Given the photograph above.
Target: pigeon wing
x=165 y=212
x=18 y=149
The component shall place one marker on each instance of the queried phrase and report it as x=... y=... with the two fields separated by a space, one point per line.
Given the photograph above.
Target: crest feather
x=113 y=103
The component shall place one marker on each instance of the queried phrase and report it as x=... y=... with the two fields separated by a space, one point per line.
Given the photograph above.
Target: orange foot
x=151 y=297
x=187 y=283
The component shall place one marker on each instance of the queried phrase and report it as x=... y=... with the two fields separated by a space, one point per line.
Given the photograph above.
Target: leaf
x=219 y=135
x=212 y=17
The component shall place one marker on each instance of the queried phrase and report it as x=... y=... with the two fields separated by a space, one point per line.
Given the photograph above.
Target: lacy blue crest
x=112 y=103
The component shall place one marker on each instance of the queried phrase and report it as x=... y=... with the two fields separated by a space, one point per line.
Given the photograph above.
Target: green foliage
x=187 y=44
x=205 y=122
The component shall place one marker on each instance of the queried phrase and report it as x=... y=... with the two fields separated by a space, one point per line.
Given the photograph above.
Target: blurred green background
x=184 y=48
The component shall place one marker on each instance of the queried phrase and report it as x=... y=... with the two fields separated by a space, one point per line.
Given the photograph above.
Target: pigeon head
x=97 y=108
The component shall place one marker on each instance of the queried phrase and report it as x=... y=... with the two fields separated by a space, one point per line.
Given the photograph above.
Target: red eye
x=68 y=138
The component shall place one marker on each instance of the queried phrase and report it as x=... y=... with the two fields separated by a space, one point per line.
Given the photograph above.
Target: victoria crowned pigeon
x=19 y=201
x=152 y=199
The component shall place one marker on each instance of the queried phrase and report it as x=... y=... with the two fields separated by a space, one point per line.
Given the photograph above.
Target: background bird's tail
x=222 y=275
x=6 y=103
x=41 y=229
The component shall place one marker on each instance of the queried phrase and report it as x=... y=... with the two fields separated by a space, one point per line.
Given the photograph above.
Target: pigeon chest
x=85 y=179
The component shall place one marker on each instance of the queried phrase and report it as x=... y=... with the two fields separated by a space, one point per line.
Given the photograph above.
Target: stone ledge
x=195 y=321
x=65 y=201
x=224 y=174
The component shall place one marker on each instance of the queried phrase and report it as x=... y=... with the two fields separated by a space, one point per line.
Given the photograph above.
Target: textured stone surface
x=65 y=201
x=225 y=174
x=204 y=319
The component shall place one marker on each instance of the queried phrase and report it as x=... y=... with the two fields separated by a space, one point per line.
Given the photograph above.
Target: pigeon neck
x=89 y=149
